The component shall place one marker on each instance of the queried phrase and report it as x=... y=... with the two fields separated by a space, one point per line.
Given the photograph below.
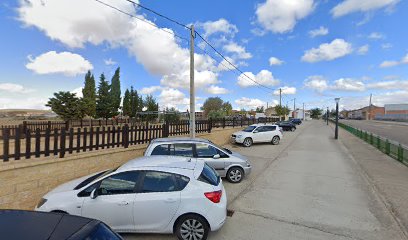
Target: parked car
x=19 y=224
x=227 y=163
x=296 y=121
x=257 y=133
x=287 y=126
x=158 y=194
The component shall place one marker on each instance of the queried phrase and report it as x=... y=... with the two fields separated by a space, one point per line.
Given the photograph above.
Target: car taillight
x=214 y=197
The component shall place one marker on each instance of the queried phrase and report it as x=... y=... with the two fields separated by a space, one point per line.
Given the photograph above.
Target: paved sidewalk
x=388 y=176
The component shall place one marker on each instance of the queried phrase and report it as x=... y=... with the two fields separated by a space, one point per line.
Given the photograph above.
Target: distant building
x=298 y=113
x=270 y=112
x=366 y=113
x=396 y=108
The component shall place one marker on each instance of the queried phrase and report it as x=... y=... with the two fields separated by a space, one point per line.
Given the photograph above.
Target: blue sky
x=313 y=50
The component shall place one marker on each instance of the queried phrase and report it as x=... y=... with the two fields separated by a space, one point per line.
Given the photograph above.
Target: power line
x=141 y=19
x=221 y=55
x=160 y=15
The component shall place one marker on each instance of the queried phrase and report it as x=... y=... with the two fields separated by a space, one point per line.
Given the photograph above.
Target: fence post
x=209 y=125
x=223 y=122
x=387 y=147
x=17 y=143
x=62 y=143
x=67 y=124
x=49 y=124
x=125 y=136
x=81 y=123
x=6 y=135
x=165 y=130
x=400 y=153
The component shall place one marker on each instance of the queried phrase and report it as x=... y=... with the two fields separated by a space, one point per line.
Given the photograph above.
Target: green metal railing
x=391 y=148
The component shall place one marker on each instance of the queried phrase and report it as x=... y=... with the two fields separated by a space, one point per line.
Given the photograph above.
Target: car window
x=159 y=182
x=121 y=183
x=261 y=129
x=162 y=149
x=182 y=149
x=209 y=175
x=249 y=129
x=269 y=128
x=205 y=151
x=87 y=191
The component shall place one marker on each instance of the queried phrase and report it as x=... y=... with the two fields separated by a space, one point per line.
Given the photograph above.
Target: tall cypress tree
x=89 y=95
x=115 y=92
x=134 y=103
x=127 y=103
x=103 y=102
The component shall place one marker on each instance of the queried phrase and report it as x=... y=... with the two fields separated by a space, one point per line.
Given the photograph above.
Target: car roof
x=162 y=162
x=180 y=139
x=40 y=225
x=263 y=124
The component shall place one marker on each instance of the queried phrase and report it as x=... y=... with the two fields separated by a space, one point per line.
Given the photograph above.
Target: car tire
x=235 y=175
x=247 y=142
x=275 y=140
x=192 y=226
x=292 y=129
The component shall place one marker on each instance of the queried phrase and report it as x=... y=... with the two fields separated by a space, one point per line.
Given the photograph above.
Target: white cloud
x=319 y=32
x=249 y=103
x=171 y=97
x=389 y=85
x=264 y=77
x=348 y=84
x=217 y=90
x=386 y=46
x=78 y=91
x=351 y=6
x=363 y=49
x=376 y=36
x=22 y=103
x=219 y=26
x=150 y=90
x=275 y=61
x=392 y=63
x=318 y=83
x=71 y=23
x=109 y=62
x=281 y=16
x=328 y=51
x=14 y=88
x=238 y=51
x=69 y=64
x=285 y=91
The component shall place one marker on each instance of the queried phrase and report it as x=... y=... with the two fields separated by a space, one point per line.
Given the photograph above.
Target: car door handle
x=123 y=203
x=170 y=200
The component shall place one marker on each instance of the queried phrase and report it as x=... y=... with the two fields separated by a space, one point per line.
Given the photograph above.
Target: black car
x=296 y=121
x=287 y=126
x=21 y=225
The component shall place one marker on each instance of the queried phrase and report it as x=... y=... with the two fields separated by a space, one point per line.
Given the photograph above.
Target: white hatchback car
x=158 y=194
x=257 y=133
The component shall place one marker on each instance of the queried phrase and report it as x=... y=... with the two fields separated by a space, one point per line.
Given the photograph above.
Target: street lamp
x=327 y=116
x=336 y=133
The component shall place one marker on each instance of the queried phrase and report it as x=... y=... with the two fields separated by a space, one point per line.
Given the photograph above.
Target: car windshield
x=249 y=129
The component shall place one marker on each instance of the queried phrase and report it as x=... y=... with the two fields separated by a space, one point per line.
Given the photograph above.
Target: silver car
x=228 y=164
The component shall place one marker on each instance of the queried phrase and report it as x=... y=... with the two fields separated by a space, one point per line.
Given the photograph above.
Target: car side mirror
x=94 y=193
x=216 y=156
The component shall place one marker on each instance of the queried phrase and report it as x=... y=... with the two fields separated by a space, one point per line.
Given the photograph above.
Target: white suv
x=258 y=133
x=158 y=194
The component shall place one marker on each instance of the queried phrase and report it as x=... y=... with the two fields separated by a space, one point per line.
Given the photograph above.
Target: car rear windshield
x=209 y=175
x=249 y=129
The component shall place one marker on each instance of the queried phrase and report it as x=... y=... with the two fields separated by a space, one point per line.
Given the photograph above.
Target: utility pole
x=369 y=108
x=303 y=111
x=192 y=90
x=327 y=116
x=294 y=108
x=280 y=96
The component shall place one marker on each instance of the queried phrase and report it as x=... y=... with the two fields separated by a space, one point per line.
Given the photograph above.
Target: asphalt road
x=308 y=187
x=392 y=130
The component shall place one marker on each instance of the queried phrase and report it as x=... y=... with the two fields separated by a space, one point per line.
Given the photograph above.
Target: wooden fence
x=56 y=140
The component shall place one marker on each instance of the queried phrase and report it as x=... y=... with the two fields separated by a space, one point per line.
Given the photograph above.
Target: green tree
x=281 y=110
x=115 y=93
x=127 y=104
x=66 y=105
x=260 y=109
x=136 y=102
x=170 y=115
x=103 y=102
x=227 y=108
x=214 y=114
x=315 y=113
x=151 y=106
x=212 y=104
x=89 y=95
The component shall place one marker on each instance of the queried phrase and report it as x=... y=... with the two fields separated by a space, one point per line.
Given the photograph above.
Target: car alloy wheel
x=247 y=142
x=235 y=175
x=192 y=227
x=275 y=140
